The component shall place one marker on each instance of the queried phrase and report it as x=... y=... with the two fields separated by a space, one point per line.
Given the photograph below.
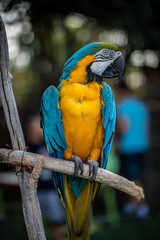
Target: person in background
x=133 y=144
x=50 y=203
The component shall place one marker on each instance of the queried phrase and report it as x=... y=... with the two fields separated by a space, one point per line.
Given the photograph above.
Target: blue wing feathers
x=60 y=126
x=51 y=123
x=109 y=118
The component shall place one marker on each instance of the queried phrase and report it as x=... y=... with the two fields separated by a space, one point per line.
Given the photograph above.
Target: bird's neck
x=79 y=74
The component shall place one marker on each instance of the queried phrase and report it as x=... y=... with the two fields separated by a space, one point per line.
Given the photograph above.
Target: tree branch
x=67 y=167
x=30 y=203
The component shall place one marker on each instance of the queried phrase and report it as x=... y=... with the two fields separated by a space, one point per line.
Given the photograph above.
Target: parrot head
x=95 y=61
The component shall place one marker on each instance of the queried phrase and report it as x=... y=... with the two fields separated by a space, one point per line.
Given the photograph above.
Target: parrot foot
x=78 y=165
x=93 y=168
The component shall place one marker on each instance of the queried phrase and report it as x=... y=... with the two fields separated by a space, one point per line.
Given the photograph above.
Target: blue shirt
x=134 y=112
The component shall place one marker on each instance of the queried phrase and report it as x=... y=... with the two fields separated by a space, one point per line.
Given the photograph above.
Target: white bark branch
x=30 y=203
x=67 y=167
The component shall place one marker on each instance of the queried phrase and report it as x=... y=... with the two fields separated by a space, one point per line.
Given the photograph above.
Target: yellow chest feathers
x=80 y=100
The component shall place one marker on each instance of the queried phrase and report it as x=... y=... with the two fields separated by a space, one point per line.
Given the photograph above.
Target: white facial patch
x=103 y=58
x=99 y=67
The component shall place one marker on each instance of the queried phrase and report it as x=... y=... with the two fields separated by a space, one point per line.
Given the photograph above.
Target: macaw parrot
x=78 y=121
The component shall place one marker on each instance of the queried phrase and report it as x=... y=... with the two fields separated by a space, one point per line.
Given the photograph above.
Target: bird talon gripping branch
x=93 y=169
x=78 y=165
x=78 y=121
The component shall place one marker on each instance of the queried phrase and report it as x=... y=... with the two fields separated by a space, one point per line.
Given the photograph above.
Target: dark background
x=42 y=35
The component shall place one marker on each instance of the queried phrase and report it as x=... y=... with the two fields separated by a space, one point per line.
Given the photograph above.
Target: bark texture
x=67 y=167
x=30 y=203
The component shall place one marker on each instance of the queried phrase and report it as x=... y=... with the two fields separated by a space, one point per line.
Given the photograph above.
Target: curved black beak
x=115 y=69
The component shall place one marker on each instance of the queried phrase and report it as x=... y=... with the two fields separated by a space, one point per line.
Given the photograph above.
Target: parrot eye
x=105 y=51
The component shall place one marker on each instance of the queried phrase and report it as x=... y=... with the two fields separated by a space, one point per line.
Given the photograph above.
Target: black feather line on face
x=92 y=76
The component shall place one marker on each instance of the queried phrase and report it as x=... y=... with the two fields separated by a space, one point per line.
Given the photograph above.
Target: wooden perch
x=28 y=188
x=67 y=167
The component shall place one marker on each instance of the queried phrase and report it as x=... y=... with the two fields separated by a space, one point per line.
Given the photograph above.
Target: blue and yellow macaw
x=78 y=122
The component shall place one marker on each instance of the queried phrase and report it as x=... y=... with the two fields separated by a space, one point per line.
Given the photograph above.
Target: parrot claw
x=78 y=165
x=93 y=168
